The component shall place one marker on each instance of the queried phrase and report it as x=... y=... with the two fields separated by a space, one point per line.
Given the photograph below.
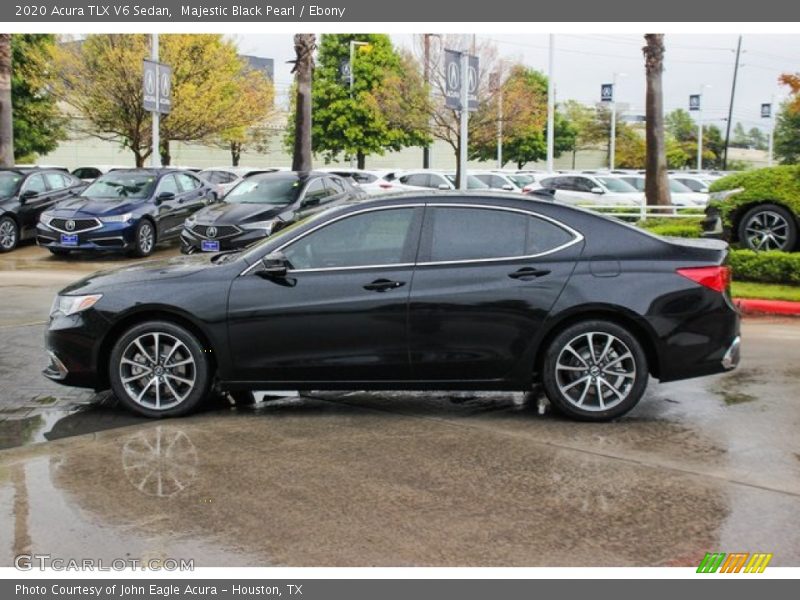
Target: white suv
x=581 y=188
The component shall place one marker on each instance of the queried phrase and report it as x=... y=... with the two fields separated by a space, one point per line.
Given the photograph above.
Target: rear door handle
x=382 y=285
x=527 y=273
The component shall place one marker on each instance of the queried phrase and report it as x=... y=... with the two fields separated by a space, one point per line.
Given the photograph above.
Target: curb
x=748 y=306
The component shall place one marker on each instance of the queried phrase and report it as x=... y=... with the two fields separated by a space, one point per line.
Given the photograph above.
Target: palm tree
x=6 y=123
x=304 y=45
x=656 y=184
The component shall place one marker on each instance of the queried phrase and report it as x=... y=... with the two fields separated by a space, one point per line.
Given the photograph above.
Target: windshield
x=678 y=187
x=266 y=189
x=617 y=185
x=9 y=182
x=520 y=180
x=636 y=182
x=131 y=186
x=473 y=183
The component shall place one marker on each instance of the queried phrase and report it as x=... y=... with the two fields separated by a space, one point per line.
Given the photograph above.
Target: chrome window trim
x=577 y=238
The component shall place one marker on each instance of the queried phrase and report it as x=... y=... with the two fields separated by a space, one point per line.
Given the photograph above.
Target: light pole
x=551 y=105
x=155 y=156
x=700 y=129
x=353 y=44
x=613 y=142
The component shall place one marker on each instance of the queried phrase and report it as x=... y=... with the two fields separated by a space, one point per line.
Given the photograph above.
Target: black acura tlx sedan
x=424 y=291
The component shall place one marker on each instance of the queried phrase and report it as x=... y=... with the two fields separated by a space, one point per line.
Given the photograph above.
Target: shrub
x=685 y=228
x=772 y=184
x=765 y=267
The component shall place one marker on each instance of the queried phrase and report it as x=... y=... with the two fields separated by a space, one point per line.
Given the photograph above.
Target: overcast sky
x=583 y=62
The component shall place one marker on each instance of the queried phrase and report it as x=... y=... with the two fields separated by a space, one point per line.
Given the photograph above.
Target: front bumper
x=110 y=236
x=71 y=343
x=192 y=242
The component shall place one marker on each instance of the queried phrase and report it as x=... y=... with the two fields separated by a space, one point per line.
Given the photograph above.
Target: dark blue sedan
x=127 y=210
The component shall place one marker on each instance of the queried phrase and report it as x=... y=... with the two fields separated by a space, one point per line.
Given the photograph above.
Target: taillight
x=385 y=186
x=714 y=278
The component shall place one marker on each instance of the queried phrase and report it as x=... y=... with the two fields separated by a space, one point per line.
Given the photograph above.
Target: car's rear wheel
x=595 y=371
x=144 y=239
x=159 y=369
x=9 y=234
x=768 y=227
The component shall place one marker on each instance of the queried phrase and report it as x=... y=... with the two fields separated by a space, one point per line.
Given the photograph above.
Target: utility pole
x=700 y=128
x=353 y=44
x=730 y=107
x=771 y=135
x=551 y=106
x=612 y=147
x=155 y=155
x=426 y=67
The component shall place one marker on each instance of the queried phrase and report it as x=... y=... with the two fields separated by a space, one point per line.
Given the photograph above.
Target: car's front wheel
x=144 y=239
x=159 y=369
x=9 y=234
x=768 y=227
x=595 y=371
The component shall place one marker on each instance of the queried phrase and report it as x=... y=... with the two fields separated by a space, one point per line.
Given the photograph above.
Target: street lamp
x=613 y=142
x=700 y=128
x=353 y=44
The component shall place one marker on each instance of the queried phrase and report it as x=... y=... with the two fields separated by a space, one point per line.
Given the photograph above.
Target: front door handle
x=382 y=285
x=528 y=273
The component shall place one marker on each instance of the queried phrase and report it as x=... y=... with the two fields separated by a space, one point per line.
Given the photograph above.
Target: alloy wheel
x=595 y=371
x=146 y=238
x=157 y=371
x=8 y=235
x=767 y=230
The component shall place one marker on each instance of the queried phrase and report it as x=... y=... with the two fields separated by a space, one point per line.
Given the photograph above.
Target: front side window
x=57 y=181
x=187 y=182
x=378 y=237
x=463 y=234
x=36 y=184
x=169 y=185
x=316 y=191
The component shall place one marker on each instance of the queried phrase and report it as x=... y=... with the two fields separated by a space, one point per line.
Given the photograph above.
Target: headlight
x=45 y=217
x=721 y=195
x=266 y=226
x=69 y=305
x=117 y=218
x=190 y=221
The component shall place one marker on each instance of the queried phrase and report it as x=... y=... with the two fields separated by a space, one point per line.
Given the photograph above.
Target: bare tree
x=6 y=118
x=656 y=184
x=304 y=45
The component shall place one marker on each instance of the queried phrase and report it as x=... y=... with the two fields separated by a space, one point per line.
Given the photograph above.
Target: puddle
x=729 y=387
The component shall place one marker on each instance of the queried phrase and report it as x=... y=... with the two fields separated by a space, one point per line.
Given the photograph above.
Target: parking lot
x=394 y=479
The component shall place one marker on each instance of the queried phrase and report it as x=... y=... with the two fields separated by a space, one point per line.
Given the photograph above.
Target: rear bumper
x=731 y=359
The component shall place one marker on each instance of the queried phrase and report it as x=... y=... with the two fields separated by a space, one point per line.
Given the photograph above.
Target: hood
x=152 y=271
x=236 y=213
x=82 y=206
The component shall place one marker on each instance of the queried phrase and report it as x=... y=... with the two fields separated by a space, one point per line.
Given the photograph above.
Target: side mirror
x=443 y=186
x=27 y=195
x=313 y=201
x=273 y=266
x=508 y=187
x=164 y=197
x=597 y=190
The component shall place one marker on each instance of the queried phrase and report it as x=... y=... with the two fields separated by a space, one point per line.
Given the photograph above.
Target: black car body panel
x=424 y=321
x=37 y=191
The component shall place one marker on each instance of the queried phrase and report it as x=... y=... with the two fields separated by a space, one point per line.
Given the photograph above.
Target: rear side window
x=482 y=233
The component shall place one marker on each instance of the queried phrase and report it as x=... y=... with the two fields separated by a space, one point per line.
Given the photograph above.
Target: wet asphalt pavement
x=395 y=479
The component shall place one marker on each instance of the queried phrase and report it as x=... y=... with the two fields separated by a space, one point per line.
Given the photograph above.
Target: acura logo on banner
x=607 y=92
x=766 y=111
x=694 y=102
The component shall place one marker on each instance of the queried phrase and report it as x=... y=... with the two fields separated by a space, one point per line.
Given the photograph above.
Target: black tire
x=59 y=251
x=144 y=239
x=243 y=397
x=9 y=234
x=198 y=371
x=572 y=379
x=771 y=219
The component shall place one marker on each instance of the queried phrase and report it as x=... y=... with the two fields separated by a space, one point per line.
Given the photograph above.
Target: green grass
x=765 y=291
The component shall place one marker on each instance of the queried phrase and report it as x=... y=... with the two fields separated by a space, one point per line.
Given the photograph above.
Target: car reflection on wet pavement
x=397 y=479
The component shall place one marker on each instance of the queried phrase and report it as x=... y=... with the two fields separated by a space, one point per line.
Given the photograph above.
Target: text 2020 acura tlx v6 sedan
x=419 y=292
